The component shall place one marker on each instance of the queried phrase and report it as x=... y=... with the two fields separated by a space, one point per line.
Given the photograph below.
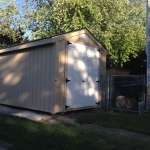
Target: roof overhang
x=51 y=40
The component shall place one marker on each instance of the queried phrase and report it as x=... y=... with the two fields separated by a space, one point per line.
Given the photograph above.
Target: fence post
x=100 y=88
x=107 y=92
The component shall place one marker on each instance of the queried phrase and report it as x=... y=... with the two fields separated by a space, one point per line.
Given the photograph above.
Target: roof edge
x=49 y=40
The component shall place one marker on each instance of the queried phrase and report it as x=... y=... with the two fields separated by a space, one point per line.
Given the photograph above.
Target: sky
x=19 y=3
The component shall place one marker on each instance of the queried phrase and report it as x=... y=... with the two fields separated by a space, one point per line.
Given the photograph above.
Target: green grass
x=129 y=122
x=29 y=135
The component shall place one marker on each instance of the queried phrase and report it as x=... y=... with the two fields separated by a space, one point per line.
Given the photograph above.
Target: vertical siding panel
x=31 y=69
x=1 y=87
x=38 y=78
x=35 y=81
x=22 y=83
x=13 y=87
x=7 y=84
x=8 y=81
x=47 y=74
x=5 y=72
x=17 y=65
x=57 y=84
x=15 y=69
x=18 y=70
x=62 y=74
x=22 y=94
x=43 y=76
x=25 y=93
x=48 y=79
x=12 y=93
x=56 y=72
x=103 y=72
x=53 y=74
x=29 y=79
x=3 y=77
x=1 y=80
x=65 y=75
x=60 y=69
x=100 y=73
x=51 y=82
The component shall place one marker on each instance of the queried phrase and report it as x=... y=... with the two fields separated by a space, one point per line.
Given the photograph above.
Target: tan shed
x=54 y=74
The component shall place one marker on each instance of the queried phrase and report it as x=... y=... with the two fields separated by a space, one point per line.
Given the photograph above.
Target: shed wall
x=83 y=39
x=27 y=78
x=60 y=84
x=35 y=78
x=102 y=68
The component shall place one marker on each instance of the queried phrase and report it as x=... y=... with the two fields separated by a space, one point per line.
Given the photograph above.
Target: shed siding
x=33 y=75
x=102 y=69
x=27 y=78
x=83 y=39
x=60 y=72
x=57 y=79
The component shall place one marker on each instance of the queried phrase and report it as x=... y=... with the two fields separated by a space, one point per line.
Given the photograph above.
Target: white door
x=83 y=66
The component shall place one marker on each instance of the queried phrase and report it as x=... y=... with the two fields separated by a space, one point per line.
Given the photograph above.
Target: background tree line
x=119 y=25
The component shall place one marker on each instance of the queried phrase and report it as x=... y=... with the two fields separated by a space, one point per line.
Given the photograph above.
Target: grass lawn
x=30 y=135
x=129 y=122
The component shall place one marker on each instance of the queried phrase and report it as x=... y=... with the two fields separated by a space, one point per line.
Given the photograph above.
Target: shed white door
x=83 y=66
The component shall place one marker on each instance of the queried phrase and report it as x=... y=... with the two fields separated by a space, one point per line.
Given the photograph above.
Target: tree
x=137 y=66
x=118 y=25
x=10 y=27
x=37 y=17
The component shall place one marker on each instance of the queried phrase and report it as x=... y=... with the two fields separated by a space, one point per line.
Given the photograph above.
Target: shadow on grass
x=30 y=135
x=128 y=122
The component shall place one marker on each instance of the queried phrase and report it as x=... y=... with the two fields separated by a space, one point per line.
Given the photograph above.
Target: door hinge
x=68 y=43
x=97 y=81
x=66 y=106
x=97 y=103
x=67 y=80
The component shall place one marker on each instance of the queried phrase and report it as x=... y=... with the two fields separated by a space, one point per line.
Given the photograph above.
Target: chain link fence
x=125 y=91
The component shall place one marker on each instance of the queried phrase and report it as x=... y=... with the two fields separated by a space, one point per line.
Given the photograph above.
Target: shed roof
x=53 y=39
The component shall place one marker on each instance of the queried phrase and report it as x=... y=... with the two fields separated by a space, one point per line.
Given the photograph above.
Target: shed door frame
x=84 y=87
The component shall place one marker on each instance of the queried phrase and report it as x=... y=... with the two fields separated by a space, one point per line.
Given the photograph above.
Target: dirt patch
x=70 y=117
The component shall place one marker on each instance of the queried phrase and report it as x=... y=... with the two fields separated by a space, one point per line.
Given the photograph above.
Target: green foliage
x=118 y=25
x=10 y=30
x=37 y=17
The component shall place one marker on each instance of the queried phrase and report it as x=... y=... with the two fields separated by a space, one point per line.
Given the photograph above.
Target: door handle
x=83 y=81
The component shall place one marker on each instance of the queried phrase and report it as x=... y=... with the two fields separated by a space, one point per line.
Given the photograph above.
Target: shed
x=54 y=74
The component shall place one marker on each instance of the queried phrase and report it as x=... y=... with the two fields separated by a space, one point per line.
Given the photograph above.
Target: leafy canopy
x=10 y=30
x=118 y=25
